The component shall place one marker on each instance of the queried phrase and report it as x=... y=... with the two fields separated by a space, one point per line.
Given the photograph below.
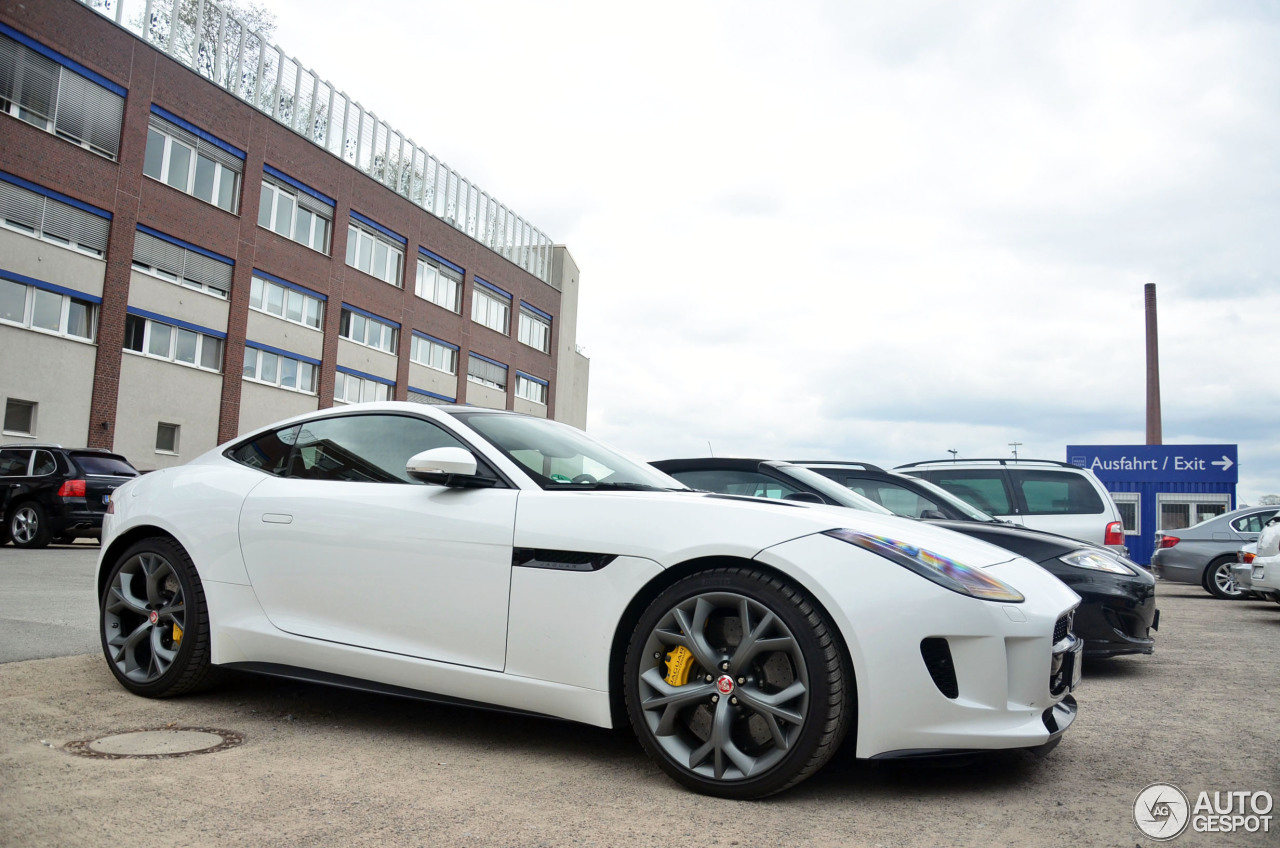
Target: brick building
x=198 y=236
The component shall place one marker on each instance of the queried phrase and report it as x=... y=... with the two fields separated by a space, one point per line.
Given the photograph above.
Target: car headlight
x=942 y=570
x=1096 y=561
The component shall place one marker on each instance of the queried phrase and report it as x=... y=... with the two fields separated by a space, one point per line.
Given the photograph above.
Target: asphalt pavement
x=47 y=603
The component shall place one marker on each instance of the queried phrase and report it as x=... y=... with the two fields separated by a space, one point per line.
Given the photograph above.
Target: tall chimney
x=1154 y=436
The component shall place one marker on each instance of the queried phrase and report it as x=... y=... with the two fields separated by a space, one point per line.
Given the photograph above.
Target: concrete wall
x=366 y=359
x=36 y=258
x=29 y=359
x=529 y=407
x=569 y=392
x=178 y=301
x=422 y=377
x=152 y=391
x=481 y=395
x=262 y=405
x=295 y=338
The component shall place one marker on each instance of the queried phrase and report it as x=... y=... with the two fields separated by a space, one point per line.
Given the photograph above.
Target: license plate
x=106 y=499
x=1258 y=572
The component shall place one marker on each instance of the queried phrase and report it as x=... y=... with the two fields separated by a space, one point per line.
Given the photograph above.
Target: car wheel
x=1219 y=580
x=29 y=526
x=736 y=685
x=155 y=629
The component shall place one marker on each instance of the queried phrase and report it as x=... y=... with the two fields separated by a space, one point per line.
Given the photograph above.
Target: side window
x=1057 y=493
x=364 y=448
x=750 y=484
x=903 y=501
x=45 y=464
x=13 y=463
x=1252 y=523
x=269 y=452
x=983 y=489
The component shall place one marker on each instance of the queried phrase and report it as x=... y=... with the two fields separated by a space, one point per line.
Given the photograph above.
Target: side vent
x=937 y=658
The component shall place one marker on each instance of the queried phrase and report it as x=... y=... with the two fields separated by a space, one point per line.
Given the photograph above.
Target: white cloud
x=870 y=230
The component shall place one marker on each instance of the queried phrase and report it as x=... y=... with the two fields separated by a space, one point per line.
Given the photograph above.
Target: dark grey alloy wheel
x=1219 y=580
x=155 y=632
x=735 y=684
x=28 y=525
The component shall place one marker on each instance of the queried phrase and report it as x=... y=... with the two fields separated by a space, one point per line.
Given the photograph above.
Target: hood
x=672 y=527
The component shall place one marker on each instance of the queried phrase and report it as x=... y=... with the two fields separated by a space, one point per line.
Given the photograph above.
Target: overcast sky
x=873 y=231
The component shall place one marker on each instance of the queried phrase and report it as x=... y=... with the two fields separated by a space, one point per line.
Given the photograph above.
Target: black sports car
x=1117 y=613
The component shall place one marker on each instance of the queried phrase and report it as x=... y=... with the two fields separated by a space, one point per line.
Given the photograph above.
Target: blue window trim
x=493 y=288
x=533 y=378
x=375 y=378
x=490 y=361
x=225 y=260
x=287 y=354
x=64 y=61
x=435 y=395
x=536 y=311
x=193 y=129
x=438 y=258
x=174 y=322
x=360 y=311
x=279 y=282
x=369 y=222
x=423 y=335
x=288 y=180
x=48 y=192
x=41 y=284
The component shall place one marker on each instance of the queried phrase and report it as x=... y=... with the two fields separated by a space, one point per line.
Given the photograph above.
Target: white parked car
x=456 y=553
x=1264 y=577
x=1043 y=494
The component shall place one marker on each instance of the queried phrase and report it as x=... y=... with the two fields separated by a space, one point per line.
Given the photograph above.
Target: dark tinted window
x=364 y=448
x=13 y=463
x=1057 y=493
x=269 y=452
x=113 y=466
x=750 y=484
x=44 y=464
x=983 y=489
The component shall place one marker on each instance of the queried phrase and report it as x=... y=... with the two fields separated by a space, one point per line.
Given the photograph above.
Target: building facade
x=182 y=258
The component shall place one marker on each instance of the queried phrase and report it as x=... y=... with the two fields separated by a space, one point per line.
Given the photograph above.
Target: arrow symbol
x=1225 y=462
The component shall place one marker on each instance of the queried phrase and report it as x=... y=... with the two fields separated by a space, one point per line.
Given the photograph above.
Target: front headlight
x=1096 y=561
x=942 y=570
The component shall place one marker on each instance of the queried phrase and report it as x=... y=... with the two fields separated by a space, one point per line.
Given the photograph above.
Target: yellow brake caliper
x=177 y=634
x=679 y=664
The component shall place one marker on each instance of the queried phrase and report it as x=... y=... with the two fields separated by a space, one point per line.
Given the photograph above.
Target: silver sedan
x=1206 y=553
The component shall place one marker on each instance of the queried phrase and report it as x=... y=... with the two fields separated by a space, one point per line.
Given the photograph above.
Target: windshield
x=558 y=456
x=833 y=490
x=955 y=503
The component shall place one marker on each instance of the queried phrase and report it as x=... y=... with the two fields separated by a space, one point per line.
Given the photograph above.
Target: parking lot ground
x=327 y=767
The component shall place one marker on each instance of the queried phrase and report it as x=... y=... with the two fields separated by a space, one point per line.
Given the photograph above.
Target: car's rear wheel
x=736 y=685
x=155 y=630
x=29 y=525
x=1219 y=580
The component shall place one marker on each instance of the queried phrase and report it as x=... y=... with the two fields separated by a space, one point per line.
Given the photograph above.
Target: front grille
x=937 y=658
x=1062 y=628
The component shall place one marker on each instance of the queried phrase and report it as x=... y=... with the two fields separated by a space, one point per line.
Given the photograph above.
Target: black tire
x=152 y=602
x=1219 y=581
x=732 y=746
x=28 y=525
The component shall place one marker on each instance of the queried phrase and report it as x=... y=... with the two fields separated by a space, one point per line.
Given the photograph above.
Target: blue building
x=1161 y=488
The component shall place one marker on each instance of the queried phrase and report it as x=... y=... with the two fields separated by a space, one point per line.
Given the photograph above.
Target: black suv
x=49 y=493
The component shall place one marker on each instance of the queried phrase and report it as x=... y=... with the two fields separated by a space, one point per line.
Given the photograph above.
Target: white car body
x=1265 y=575
x=419 y=588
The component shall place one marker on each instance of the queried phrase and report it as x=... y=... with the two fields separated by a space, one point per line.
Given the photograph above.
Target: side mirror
x=804 y=497
x=447 y=467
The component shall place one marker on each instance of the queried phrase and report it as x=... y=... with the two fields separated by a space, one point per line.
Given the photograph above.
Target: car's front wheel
x=1219 y=580
x=29 y=525
x=736 y=684
x=155 y=630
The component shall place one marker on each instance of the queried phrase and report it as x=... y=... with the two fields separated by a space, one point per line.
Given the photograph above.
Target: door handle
x=276 y=518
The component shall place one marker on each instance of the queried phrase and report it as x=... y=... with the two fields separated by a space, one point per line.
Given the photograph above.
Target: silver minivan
x=1043 y=494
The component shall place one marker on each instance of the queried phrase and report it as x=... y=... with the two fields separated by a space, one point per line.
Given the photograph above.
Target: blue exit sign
x=1158 y=463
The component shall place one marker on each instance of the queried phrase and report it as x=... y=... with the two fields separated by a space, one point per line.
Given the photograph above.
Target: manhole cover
x=156 y=743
